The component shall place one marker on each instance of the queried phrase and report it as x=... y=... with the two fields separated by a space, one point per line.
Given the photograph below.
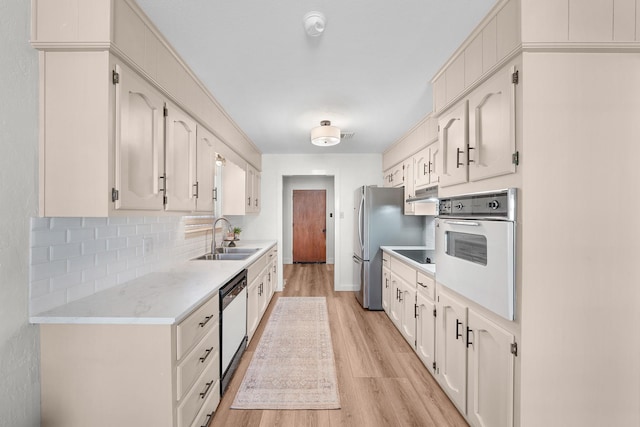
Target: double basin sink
x=229 y=254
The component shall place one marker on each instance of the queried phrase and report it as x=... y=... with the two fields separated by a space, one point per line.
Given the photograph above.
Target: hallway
x=381 y=380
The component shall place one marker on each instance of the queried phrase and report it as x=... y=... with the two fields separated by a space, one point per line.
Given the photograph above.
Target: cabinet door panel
x=386 y=290
x=139 y=143
x=435 y=163
x=453 y=144
x=421 y=171
x=253 y=307
x=394 y=306
x=180 y=161
x=425 y=331
x=451 y=350
x=407 y=312
x=492 y=127
x=491 y=374
x=205 y=169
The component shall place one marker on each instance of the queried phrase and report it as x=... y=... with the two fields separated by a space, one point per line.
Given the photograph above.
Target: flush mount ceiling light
x=325 y=135
x=314 y=23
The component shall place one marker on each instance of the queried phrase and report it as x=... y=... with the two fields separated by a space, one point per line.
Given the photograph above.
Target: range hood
x=424 y=195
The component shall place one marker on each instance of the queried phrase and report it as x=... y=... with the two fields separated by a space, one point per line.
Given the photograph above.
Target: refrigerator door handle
x=361 y=225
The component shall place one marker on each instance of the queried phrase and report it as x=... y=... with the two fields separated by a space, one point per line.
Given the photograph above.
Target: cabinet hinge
x=515 y=77
x=415 y=310
x=514 y=349
x=115 y=194
x=164 y=200
x=435 y=313
x=166 y=111
x=515 y=158
x=434 y=366
x=115 y=77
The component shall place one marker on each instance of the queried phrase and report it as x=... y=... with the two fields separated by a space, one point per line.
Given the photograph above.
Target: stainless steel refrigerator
x=379 y=221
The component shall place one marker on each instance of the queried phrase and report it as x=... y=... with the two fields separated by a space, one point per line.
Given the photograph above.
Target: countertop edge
x=422 y=267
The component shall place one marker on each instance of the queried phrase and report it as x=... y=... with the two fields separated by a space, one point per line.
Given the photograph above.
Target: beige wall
x=19 y=360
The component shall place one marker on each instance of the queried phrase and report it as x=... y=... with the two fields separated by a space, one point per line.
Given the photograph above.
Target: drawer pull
x=205 y=321
x=422 y=284
x=206 y=421
x=206 y=354
x=206 y=390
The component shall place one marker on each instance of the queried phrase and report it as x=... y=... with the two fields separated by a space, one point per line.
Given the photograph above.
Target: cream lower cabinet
x=386 y=283
x=131 y=375
x=403 y=303
x=475 y=363
x=426 y=321
x=261 y=278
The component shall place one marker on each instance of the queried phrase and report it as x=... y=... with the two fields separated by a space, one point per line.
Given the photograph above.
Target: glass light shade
x=325 y=135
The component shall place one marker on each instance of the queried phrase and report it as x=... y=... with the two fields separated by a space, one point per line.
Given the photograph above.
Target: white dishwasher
x=233 y=326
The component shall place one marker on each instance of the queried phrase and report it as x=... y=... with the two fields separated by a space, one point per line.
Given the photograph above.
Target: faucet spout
x=213 y=239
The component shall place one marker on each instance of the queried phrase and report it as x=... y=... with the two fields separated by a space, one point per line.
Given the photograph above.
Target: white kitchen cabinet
x=491 y=364
x=407 y=300
x=206 y=192
x=180 y=160
x=261 y=276
x=139 y=143
x=454 y=141
x=395 y=307
x=252 y=194
x=393 y=176
x=131 y=374
x=425 y=329
x=427 y=166
x=253 y=306
x=451 y=356
x=409 y=185
x=492 y=122
x=386 y=283
x=234 y=178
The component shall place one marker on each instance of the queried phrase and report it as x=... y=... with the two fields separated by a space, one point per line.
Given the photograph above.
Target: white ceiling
x=368 y=72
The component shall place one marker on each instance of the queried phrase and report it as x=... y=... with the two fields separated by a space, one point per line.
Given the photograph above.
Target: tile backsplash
x=75 y=257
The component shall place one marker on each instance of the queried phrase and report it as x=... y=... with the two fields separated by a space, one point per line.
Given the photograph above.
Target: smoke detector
x=314 y=23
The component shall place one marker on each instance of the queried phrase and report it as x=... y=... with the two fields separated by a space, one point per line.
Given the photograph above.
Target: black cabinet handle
x=469 y=330
x=206 y=421
x=458 y=152
x=206 y=390
x=205 y=321
x=469 y=161
x=458 y=324
x=206 y=354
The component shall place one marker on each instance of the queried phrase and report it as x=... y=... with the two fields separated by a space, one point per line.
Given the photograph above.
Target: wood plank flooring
x=381 y=380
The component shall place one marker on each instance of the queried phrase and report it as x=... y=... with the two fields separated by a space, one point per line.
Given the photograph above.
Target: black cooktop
x=422 y=256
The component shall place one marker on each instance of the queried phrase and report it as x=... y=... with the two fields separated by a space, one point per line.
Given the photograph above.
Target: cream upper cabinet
x=252 y=194
x=234 y=178
x=491 y=362
x=409 y=185
x=206 y=192
x=139 y=143
x=180 y=160
x=427 y=166
x=451 y=356
x=492 y=116
x=453 y=145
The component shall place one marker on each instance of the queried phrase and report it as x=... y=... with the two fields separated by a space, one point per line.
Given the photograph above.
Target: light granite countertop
x=163 y=297
x=429 y=269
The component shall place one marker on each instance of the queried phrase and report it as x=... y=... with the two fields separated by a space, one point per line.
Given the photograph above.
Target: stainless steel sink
x=228 y=254
x=226 y=250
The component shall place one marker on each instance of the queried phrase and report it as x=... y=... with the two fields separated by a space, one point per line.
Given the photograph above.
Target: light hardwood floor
x=381 y=380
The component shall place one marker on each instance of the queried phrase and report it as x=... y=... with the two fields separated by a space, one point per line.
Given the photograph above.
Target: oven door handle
x=465 y=223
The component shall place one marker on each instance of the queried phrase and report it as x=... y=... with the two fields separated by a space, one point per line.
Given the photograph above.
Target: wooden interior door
x=309 y=226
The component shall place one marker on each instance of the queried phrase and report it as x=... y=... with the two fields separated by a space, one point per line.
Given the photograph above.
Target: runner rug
x=293 y=365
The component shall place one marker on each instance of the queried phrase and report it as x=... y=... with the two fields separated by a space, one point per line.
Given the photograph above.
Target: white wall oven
x=475 y=248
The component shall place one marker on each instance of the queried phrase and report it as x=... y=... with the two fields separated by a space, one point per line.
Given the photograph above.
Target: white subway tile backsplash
x=81 y=263
x=75 y=257
x=94 y=246
x=66 y=251
x=66 y=281
x=40 y=255
x=64 y=223
x=48 y=270
x=48 y=237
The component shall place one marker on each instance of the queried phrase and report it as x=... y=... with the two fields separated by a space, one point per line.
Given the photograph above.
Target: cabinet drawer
x=426 y=285
x=207 y=384
x=209 y=407
x=196 y=361
x=402 y=270
x=197 y=325
x=256 y=268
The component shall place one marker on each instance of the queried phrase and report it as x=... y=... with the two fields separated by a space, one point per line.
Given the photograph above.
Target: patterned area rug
x=293 y=366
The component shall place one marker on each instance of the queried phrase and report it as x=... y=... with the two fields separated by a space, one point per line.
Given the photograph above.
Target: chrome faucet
x=213 y=235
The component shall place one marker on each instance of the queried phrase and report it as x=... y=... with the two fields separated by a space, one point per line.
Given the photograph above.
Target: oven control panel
x=499 y=205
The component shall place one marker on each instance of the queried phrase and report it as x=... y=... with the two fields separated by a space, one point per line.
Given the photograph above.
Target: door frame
x=336 y=218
